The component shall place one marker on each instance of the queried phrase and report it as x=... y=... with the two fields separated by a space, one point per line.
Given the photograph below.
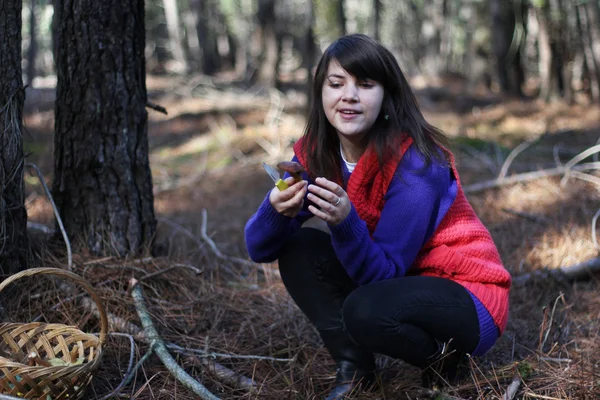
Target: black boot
x=447 y=367
x=355 y=365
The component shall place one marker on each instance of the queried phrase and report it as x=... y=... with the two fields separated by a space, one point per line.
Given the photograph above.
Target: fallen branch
x=214 y=247
x=570 y=165
x=159 y=346
x=130 y=370
x=530 y=217
x=224 y=374
x=56 y=214
x=513 y=388
x=572 y=272
x=513 y=154
x=527 y=176
x=156 y=107
x=133 y=331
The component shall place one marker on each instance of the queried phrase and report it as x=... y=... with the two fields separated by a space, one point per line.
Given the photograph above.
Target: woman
x=407 y=269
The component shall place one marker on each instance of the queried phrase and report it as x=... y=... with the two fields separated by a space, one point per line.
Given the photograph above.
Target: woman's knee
x=360 y=316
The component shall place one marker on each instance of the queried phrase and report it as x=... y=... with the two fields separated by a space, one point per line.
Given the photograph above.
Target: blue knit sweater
x=417 y=201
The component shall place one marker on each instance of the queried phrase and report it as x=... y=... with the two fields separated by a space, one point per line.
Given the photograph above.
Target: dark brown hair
x=365 y=58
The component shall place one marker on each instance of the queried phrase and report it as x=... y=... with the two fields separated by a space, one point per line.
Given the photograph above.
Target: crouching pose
x=407 y=269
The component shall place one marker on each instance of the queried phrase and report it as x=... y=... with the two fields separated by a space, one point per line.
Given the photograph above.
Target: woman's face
x=351 y=105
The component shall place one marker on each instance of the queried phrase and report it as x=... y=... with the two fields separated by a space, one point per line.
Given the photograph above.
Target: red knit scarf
x=368 y=183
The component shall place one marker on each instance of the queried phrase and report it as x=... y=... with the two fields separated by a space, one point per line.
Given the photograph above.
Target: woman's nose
x=350 y=93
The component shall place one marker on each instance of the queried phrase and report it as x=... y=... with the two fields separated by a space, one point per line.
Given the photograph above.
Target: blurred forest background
x=126 y=124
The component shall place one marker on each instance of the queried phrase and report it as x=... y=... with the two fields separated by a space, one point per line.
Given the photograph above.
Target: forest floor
x=206 y=159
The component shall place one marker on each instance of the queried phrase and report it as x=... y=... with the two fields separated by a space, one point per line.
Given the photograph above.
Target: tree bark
x=102 y=181
x=32 y=51
x=13 y=215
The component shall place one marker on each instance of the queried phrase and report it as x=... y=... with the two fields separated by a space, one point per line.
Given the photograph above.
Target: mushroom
x=293 y=168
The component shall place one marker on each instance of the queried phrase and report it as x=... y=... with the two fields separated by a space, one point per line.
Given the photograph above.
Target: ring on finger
x=339 y=199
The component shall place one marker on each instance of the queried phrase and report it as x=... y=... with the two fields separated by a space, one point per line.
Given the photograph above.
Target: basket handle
x=70 y=276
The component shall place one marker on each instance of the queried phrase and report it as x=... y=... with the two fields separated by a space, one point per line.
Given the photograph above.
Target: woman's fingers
x=330 y=201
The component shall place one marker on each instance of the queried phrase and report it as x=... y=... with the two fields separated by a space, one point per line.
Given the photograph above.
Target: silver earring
x=386 y=117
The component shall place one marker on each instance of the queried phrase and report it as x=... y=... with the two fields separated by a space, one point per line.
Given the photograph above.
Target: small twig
x=513 y=388
x=572 y=272
x=481 y=156
x=513 y=154
x=56 y=214
x=120 y=267
x=160 y=348
x=594 y=239
x=521 y=214
x=540 y=396
x=527 y=176
x=557 y=360
x=550 y=322
x=214 y=247
x=205 y=354
x=585 y=177
x=225 y=374
x=556 y=155
x=156 y=107
x=579 y=157
x=183 y=230
x=172 y=267
x=130 y=371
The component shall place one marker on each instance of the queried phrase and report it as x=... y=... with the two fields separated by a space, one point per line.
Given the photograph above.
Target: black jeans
x=405 y=318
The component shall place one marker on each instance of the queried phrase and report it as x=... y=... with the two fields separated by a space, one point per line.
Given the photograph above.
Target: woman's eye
x=366 y=84
x=335 y=84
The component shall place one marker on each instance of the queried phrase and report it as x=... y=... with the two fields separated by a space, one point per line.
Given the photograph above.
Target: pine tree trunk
x=13 y=215
x=32 y=51
x=102 y=182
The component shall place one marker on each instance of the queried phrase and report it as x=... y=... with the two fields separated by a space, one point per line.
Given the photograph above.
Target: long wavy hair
x=365 y=58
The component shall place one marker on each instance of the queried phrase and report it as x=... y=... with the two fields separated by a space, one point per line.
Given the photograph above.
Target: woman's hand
x=332 y=201
x=289 y=202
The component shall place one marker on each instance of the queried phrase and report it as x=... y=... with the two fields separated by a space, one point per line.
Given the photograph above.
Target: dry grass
x=552 y=338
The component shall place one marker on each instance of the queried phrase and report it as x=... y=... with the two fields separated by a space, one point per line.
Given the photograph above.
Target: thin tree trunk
x=175 y=37
x=377 y=19
x=589 y=18
x=310 y=53
x=32 y=51
x=341 y=14
x=102 y=182
x=56 y=15
x=508 y=32
x=545 y=56
x=268 y=56
x=13 y=215
x=207 y=37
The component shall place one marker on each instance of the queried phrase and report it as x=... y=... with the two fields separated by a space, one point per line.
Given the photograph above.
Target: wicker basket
x=26 y=348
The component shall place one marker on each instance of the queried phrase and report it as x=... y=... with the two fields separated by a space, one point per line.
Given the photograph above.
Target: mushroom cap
x=290 y=166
